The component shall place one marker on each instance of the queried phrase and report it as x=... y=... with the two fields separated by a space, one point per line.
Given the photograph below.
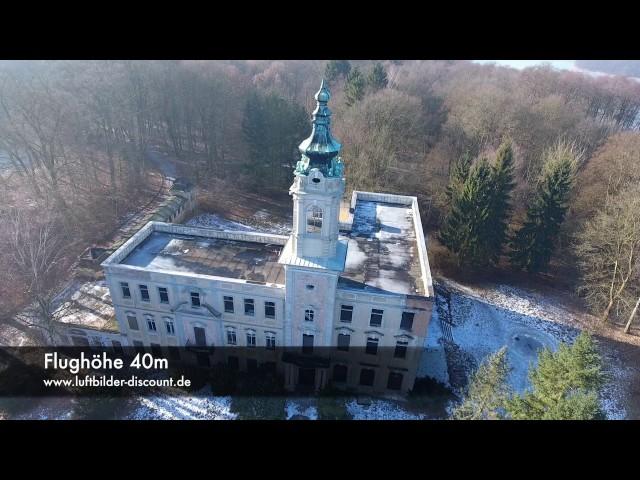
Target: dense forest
x=533 y=170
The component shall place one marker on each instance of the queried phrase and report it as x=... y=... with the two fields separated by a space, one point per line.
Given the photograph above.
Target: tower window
x=308 y=315
x=314 y=219
x=195 y=299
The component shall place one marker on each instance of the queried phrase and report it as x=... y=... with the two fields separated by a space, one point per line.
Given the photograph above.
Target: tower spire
x=320 y=148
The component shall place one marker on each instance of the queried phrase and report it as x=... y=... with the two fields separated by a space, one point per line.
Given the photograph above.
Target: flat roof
x=207 y=255
x=382 y=255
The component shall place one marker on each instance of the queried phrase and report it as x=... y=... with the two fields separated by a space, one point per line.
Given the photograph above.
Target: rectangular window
x=395 y=381
x=233 y=362
x=195 y=299
x=376 y=318
x=164 y=295
x=401 y=349
x=126 y=293
x=133 y=322
x=406 y=323
x=117 y=347
x=307 y=343
x=367 y=376
x=201 y=336
x=252 y=365
x=249 y=308
x=270 y=309
x=144 y=293
x=156 y=349
x=170 y=327
x=372 y=346
x=174 y=353
x=139 y=346
x=231 y=337
x=251 y=339
x=228 y=304
x=308 y=315
x=271 y=341
x=340 y=373
x=151 y=324
x=346 y=313
x=343 y=342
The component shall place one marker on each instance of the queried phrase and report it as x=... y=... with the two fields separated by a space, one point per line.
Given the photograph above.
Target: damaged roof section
x=164 y=247
x=384 y=254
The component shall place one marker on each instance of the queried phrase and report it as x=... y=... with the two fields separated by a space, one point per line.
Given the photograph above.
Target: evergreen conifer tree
x=377 y=79
x=336 y=69
x=565 y=384
x=500 y=207
x=533 y=244
x=457 y=177
x=488 y=390
x=465 y=229
x=354 y=88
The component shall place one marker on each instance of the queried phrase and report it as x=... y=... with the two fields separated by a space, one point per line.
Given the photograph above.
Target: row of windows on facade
x=367 y=377
x=340 y=372
x=346 y=311
x=344 y=341
x=375 y=319
x=199 y=332
x=163 y=294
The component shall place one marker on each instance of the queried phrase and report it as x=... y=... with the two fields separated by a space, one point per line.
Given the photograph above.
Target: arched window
x=314 y=219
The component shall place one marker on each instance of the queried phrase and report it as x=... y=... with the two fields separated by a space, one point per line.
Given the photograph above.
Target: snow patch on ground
x=483 y=321
x=305 y=407
x=202 y=406
x=380 y=410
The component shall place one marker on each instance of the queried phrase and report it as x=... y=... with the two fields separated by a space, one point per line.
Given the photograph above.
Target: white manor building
x=361 y=283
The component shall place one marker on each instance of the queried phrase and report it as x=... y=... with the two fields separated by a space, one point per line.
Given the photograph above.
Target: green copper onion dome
x=319 y=150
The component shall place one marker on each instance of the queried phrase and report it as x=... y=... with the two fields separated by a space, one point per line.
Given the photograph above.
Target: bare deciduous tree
x=608 y=250
x=37 y=248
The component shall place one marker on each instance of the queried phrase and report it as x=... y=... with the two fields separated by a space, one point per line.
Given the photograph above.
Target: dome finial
x=323 y=94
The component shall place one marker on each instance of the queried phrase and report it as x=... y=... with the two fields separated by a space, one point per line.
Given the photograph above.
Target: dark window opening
x=307 y=343
x=144 y=293
x=164 y=295
x=126 y=292
x=376 y=318
x=228 y=304
x=367 y=377
x=270 y=309
x=395 y=381
x=346 y=313
x=201 y=336
x=340 y=373
x=401 y=350
x=372 y=346
x=233 y=362
x=406 y=323
x=343 y=342
x=195 y=299
x=249 y=308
